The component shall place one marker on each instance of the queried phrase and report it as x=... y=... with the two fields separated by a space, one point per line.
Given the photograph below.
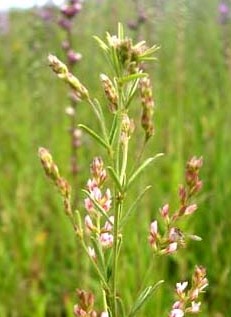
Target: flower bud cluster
x=85 y=308
x=130 y=56
x=127 y=129
x=62 y=72
x=173 y=238
x=147 y=105
x=52 y=173
x=98 y=200
x=187 y=300
x=192 y=187
x=68 y=11
x=110 y=92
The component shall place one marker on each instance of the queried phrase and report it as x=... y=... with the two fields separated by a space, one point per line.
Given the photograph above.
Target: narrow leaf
x=100 y=255
x=115 y=177
x=120 y=31
x=113 y=130
x=101 y=43
x=132 y=77
x=141 y=168
x=142 y=298
x=99 y=208
x=120 y=307
x=102 y=119
x=92 y=133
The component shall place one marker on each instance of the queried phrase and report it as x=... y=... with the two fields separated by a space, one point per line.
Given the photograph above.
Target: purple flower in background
x=223 y=8
x=73 y=57
x=4 y=23
x=224 y=12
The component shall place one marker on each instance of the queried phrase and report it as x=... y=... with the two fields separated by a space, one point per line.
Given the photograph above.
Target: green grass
x=39 y=265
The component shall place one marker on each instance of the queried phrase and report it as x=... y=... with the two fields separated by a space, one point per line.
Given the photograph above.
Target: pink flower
x=108 y=224
x=154 y=228
x=89 y=205
x=106 y=239
x=91 y=184
x=172 y=247
x=176 y=312
x=164 y=211
x=96 y=194
x=153 y=233
x=175 y=234
x=104 y=314
x=73 y=57
x=89 y=223
x=78 y=311
x=106 y=201
x=190 y=209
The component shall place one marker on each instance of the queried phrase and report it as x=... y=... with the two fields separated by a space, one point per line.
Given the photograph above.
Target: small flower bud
x=164 y=211
x=65 y=24
x=70 y=111
x=127 y=128
x=71 y=10
x=91 y=252
x=190 y=209
x=49 y=166
x=77 y=86
x=57 y=66
x=110 y=93
x=73 y=57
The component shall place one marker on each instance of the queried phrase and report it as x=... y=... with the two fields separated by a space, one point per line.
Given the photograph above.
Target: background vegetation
x=40 y=262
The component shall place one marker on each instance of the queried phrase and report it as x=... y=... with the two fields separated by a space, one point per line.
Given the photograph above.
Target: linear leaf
x=101 y=43
x=92 y=133
x=141 y=168
x=115 y=178
x=132 y=77
x=99 y=208
x=143 y=297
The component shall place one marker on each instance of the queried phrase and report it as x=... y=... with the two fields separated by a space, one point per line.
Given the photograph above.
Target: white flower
x=176 y=312
x=195 y=307
x=180 y=287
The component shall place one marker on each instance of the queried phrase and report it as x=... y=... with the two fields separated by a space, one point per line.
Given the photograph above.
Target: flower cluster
x=85 y=308
x=130 y=56
x=98 y=204
x=52 y=173
x=63 y=72
x=68 y=12
x=187 y=300
x=174 y=238
x=148 y=106
x=224 y=12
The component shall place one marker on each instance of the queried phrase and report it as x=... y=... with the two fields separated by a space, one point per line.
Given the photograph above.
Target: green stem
x=102 y=279
x=115 y=257
x=124 y=162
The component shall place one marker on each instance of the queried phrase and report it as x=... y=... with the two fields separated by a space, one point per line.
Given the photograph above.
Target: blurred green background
x=40 y=265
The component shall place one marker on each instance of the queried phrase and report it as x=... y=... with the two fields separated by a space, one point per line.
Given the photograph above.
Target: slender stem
x=124 y=162
x=115 y=257
x=102 y=279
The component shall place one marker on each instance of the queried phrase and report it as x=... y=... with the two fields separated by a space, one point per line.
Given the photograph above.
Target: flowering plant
x=101 y=231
